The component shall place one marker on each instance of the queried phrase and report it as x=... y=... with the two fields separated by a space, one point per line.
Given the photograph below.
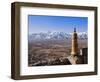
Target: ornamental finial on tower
x=74 y=29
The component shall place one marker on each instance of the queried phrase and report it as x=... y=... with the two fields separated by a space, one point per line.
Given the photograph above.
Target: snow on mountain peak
x=55 y=36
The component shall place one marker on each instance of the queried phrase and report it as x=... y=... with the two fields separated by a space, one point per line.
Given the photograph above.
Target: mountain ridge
x=56 y=36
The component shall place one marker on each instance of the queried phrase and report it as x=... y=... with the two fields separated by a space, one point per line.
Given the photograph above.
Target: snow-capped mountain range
x=56 y=36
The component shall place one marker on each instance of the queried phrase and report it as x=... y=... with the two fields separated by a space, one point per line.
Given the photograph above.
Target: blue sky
x=37 y=24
